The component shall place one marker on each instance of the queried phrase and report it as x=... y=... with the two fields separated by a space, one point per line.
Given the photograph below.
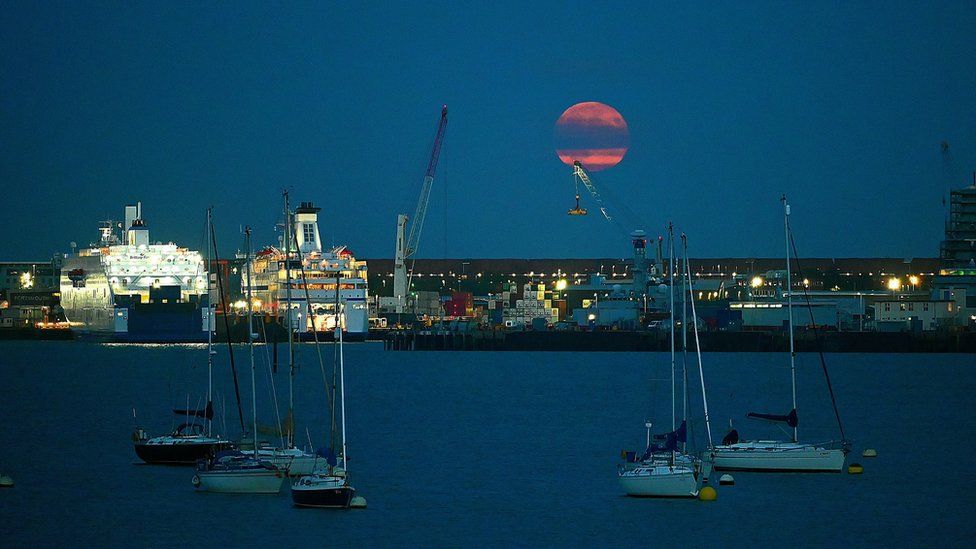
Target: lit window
x=308 y=230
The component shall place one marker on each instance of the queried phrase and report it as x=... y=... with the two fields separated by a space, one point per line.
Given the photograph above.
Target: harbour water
x=486 y=449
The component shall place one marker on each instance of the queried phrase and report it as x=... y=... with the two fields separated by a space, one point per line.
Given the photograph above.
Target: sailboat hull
x=252 y=481
x=332 y=498
x=178 y=453
x=659 y=481
x=778 y=456
x=293 y=462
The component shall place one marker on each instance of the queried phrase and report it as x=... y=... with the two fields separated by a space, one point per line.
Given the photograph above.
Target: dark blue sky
x=183 y=105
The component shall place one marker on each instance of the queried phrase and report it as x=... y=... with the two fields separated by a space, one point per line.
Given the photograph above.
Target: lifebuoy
x=196 y=481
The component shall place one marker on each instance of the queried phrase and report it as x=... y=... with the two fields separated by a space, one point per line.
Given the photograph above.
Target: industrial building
x=956 y=279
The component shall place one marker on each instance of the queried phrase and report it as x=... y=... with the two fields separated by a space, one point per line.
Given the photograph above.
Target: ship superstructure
x=128 y=289
x=316 y=276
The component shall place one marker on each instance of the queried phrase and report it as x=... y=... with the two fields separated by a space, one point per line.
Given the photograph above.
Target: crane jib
x=435 y=153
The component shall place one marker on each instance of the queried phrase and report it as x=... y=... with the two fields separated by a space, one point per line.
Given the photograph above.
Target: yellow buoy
x=855 y=469
x=707 y=493
x=870 y=453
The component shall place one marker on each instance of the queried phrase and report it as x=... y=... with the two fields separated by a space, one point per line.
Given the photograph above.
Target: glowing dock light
x=913 y=280
x=756 y=282
x=26 y=281
x=561 y=284
x=894 y=284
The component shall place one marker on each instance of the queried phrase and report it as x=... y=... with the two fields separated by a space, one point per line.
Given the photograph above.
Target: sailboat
x=329 y=487
x=782 y=455
x=190 y=440
x=663 y=470
x=292 y=459
x=233 y=471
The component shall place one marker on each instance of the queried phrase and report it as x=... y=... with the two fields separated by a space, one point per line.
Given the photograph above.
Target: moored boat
x=329 y=487
x=323 y=489
x=660 y=479
x=667 y=469
x=191 y=440
x=236 y=473
x=779 y=455
x=184 y=446
x=774 y=455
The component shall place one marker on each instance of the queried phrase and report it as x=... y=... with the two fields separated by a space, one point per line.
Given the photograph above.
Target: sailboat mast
x=694 y=320
x=671 y=268
x=210 y=323
x=342 y=400
x=250 y=338
x=789 y=303
x=288 y=326
x=684 y=344
x=338 y=351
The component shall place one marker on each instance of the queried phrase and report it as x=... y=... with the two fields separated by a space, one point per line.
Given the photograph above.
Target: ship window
x=308 y=230
x=925 y=306
x=887 y=306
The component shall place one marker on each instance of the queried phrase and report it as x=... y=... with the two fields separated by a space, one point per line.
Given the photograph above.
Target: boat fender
x=726 y=480
x=196 y=481
x=358 y=502
x=870 y=453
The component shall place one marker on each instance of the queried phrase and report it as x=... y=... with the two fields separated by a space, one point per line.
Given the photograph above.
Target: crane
x=406 y=250
x=580 y=175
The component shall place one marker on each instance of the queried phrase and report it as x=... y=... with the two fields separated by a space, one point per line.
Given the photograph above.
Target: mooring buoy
x=707 y=493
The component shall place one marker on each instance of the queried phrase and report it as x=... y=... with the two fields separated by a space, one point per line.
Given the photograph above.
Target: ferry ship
x=129 y=290
x=323 y=270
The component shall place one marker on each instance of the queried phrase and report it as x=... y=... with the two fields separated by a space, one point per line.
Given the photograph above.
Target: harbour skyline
x=843 y=108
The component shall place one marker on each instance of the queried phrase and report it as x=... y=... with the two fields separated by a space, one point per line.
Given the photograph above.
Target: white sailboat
x=290 y=458
x=233 y=471
x=664 y=470
x=780 y=455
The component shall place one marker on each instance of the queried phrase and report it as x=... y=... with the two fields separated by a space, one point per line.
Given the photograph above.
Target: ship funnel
x=306 y=233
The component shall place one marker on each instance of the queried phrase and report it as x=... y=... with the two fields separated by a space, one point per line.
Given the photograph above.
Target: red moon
x=593 y=133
